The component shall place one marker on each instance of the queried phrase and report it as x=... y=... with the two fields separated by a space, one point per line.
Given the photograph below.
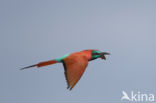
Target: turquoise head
x=98 y=54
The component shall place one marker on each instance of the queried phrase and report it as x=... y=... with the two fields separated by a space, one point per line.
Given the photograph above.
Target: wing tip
x=69 y=88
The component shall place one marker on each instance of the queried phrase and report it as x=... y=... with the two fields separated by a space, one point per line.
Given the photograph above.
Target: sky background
x=32 y=31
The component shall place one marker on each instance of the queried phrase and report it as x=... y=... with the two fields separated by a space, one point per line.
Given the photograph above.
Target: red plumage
x=74 y=64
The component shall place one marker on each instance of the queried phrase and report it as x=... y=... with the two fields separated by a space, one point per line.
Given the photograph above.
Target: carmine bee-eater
x=74 y=64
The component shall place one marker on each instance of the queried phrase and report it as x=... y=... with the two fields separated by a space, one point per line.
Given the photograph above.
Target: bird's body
x=74 y=64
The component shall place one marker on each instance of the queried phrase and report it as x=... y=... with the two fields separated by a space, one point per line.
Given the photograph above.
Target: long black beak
x=103 y=55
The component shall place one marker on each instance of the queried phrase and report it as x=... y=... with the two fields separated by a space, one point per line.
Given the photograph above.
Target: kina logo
x=137 y=97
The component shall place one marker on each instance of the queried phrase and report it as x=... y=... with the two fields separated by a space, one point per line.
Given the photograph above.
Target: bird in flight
x=74 y=64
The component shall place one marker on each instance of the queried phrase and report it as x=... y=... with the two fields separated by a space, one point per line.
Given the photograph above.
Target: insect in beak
x=103 y=55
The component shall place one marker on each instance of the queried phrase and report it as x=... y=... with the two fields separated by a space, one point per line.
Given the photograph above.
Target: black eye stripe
x=95 y=53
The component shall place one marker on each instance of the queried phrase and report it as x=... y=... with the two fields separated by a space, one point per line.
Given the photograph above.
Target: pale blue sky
x=34 y=30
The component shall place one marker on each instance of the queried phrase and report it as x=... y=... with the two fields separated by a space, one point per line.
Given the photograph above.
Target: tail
x=41 y=64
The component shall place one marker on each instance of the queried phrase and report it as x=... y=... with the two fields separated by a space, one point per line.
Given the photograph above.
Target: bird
x=74 y=64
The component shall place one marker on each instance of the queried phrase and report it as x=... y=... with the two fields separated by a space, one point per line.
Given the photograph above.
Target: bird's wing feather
x=75 y=66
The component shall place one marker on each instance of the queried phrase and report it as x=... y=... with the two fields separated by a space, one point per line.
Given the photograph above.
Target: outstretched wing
x=74 y=66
